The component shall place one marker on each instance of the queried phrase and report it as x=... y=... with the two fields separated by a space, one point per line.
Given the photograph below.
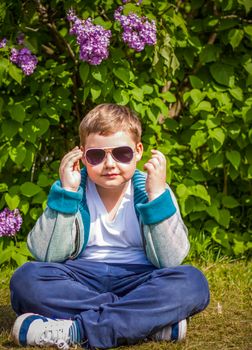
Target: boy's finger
x=70 y=159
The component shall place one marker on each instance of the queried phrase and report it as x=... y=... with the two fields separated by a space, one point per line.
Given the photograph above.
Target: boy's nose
x=109 y=160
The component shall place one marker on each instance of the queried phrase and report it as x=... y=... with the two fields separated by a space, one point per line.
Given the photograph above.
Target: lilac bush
x=137 y=31
x=3 y=43
x=93 y=39
x=10 y=222
x=24 y=59
x=20 y=38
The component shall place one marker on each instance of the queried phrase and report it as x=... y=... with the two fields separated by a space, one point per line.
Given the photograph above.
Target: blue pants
x=113 y=304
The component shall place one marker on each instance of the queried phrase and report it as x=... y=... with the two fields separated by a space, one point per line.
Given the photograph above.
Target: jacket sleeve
x=165 y=234
x=58 y=233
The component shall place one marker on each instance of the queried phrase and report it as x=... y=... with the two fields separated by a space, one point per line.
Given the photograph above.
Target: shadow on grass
x=7 y=317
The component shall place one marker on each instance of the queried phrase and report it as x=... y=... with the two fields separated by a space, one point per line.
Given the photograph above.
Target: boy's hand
x=69 y=170
x=156 y=175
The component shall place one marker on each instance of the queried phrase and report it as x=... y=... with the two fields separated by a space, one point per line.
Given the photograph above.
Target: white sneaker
x=176 y=332
x=33 y=329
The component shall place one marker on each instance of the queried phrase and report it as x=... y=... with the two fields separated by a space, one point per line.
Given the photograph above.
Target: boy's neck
x=112 y=198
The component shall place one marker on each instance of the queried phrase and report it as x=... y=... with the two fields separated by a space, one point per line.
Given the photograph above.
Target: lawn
x=225 y=324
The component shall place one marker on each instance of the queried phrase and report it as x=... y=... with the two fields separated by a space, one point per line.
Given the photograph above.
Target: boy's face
x=111 y=174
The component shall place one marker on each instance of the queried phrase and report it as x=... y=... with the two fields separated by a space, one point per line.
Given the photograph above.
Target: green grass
x=225 y=324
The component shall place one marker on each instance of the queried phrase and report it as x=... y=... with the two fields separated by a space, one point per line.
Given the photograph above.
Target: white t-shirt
x=117 y=241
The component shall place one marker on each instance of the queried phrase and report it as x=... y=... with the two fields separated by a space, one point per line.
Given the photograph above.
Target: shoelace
x=54 y=334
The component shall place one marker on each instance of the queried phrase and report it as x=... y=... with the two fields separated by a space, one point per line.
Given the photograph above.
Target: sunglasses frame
x=108 y=150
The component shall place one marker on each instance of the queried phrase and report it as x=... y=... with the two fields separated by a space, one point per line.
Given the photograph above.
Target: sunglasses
x=123 y=154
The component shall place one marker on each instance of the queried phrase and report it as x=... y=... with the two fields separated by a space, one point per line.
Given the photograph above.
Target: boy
x=107 y=247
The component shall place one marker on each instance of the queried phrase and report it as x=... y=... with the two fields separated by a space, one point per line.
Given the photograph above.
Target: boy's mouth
x=110 y=175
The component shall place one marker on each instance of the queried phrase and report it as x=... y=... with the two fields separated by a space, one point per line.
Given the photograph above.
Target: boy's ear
x=139 y=151
x=83 y=158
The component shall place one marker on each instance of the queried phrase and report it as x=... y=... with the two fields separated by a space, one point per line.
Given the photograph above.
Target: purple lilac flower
x=93 y=39
x=126 y=1
x=20 y=38
x=3 y=43
x=10 y=222
x=137 y=31
x=24 y=59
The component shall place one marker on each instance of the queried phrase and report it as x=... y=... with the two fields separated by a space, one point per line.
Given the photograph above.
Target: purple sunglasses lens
x=122 y=154
x=95 y=156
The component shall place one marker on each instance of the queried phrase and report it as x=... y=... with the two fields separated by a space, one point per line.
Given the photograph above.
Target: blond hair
x=108 y=118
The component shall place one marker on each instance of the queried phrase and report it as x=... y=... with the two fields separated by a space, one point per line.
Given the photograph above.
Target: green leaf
x=41 y=125
x=20 y=259
x=24 y=207
x=250 y=172
x=203 y=106
x=218 y=137
x=213 y=121
x=17 y=154
x=196 y=95
x=221 y=237
x=248 y=30
x=22 y=248
x=12 y=201
x=1 y=105
x=168 y=96
x=95 y=92
x=122 y=73
x=237 y=93
x=4 y=65
x=209 y=53
x=148 y=89
x=161 y=105
x=247 y=4
x=39 y=198
x=215 y=160
x=129 y=7
x=248 y=66
x=213 y=211
x=235 y=37
x=235 y=158
x=15 y=73
x=5 y=255
x=100 y=73
x=29 y=189
x=84 y=71
x=196 y=82
x=3 y=187
x=137 y=94
x=86 y=92
x=201 y=192
x=29 y=157
x=198 y=139
x=100 y=21
x=182 y=191
x=197 y=175
x=238 y=247
x=52 y=113
x=121 y=97
x=188 y=205
x=230 y=202
x=44 y=180
x=35 y=213
x=10 y=128
x=17 y=112
x=224 y=219
x=222 y=74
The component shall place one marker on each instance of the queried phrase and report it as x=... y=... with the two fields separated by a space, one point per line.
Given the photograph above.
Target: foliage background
x=192 y=91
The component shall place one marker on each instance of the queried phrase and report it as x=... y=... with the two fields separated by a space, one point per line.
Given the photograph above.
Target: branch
x=62 y=45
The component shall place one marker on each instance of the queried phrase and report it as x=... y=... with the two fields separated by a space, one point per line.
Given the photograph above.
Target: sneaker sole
x=182 y=330
x=17 y=325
